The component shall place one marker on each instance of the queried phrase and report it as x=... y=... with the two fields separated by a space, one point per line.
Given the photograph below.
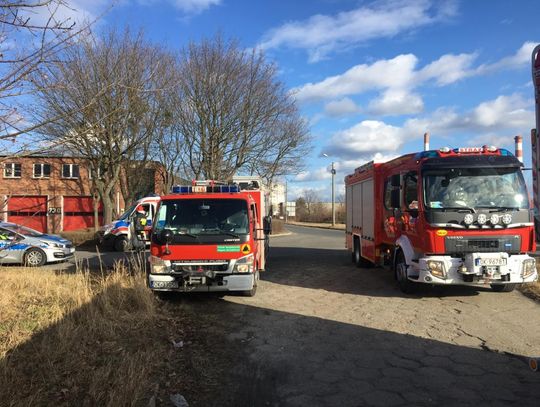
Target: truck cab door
x=409 y=208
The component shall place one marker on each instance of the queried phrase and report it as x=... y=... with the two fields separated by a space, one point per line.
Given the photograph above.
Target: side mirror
x=165 y=237
x=267 y=225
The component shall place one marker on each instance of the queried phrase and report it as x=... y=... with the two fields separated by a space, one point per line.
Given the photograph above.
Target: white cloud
x=365 y=139
x=341 y=107
x=493 y=122
x=396 y=80
x=396 y=102
x=504 y=111
x=522 y=57
x=194 y=6
x=447 y=69
x=318 y=174
x=323 y=34
x=397 y=72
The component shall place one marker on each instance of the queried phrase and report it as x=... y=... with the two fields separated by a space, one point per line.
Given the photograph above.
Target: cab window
x=410 y=186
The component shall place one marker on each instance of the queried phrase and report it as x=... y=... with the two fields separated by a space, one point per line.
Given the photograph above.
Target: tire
x=503 y=288
x=357 y=256
x=405 y=285
x=35 y=257
x=253 y=291
x=121 y=244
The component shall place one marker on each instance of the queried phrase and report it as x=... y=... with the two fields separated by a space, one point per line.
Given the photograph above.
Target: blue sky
x=371 y=76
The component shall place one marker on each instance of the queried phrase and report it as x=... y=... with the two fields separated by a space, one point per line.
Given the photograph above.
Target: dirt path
x=321 y=332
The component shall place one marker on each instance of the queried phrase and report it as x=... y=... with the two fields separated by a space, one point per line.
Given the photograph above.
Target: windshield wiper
x=188 y=234
x=457 y=208
x=496 y=208
x=220 y=232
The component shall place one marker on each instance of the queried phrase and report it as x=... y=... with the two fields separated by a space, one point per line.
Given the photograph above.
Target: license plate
x=491 y=262
x=164 y=284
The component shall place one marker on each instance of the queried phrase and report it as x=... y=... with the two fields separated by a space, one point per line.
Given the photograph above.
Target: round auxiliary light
x=468 y=219
x=482 y=219
x=506 y=219
x=494 y=219
x=444 y=149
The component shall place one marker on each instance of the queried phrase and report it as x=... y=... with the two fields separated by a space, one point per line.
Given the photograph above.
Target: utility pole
x=286 y=206
x=333 y=196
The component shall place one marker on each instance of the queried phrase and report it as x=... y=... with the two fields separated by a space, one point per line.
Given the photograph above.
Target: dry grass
x=532 y=290
x=73 y=339
x=80 y=237
x=278 y=226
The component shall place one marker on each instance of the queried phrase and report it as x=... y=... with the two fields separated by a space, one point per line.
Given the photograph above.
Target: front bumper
x=56 y=254
x=467 y=271
x=231 y=282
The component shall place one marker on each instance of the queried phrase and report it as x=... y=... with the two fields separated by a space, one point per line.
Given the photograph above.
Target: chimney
x=519 y=147
x=426 y=141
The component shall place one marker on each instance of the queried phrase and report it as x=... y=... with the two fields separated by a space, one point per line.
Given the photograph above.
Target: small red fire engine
x=210 y=236
x=447 y=216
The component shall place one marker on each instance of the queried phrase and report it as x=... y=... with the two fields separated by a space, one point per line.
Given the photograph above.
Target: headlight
x=494 y=219
x=468 y=219
x=436 y=268
x=482 y=219
x=528 y=268
x=158 y=265
x=52 y=244
x=506 y=219
x=244 y=265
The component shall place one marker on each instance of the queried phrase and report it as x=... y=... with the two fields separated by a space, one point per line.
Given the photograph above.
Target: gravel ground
x=321 y=332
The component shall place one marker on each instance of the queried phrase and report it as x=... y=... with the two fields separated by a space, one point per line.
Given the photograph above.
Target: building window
x=42 y=170
x=12 y=170
x=98 y=173
x=70 y=171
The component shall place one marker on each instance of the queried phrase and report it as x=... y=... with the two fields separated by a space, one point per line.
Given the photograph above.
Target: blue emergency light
x=183 y=189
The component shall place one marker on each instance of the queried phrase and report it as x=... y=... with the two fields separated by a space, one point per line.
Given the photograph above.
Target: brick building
x=55 y=193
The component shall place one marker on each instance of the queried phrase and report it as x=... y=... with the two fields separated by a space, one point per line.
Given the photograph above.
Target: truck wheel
x=357 y=256
x=503 y=288
x=253 y=291
x=34 y=257
x=121 y=244
x=405 y=285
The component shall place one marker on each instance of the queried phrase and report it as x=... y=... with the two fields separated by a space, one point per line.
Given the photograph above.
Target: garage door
x=30 y=211
x=79 y=212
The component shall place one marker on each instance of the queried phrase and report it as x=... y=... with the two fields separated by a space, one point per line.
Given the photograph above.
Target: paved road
x=321 y=332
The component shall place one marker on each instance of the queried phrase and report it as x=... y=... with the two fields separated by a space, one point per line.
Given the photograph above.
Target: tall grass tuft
x=77 y=339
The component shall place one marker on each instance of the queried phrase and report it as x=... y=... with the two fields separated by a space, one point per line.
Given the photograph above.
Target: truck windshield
x=204 y=217
x=461 y=188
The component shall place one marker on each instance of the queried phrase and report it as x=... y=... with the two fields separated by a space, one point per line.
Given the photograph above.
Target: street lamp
x=333 y=171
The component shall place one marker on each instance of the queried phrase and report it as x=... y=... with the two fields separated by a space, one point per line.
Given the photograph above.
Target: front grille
x=482 y=244
x=462 y=244
x=201 y=268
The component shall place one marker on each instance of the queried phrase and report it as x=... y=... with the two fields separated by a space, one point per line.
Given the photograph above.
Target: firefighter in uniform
x=137 y=229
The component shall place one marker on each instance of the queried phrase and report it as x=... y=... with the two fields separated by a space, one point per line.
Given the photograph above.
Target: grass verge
x=76 y=339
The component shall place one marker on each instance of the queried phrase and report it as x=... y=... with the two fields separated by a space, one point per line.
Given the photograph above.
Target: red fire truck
x=447 y=216
x=535 y=134
x=210 y=236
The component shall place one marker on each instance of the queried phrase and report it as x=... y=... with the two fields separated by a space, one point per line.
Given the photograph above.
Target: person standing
x=138 y=223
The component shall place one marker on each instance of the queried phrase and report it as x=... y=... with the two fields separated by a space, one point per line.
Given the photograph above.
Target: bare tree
x=234 y=115
x=32 y=32
x=104 y=96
